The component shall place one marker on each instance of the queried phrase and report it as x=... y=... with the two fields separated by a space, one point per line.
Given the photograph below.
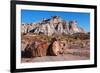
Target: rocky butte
x=53 y=25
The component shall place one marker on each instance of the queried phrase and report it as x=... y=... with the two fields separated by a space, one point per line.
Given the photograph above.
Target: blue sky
x=83 y=19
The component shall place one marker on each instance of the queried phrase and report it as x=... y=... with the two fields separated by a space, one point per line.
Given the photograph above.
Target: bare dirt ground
x=67 y=57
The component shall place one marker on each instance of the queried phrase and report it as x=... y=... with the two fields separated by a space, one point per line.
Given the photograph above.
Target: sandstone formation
x=54 y=25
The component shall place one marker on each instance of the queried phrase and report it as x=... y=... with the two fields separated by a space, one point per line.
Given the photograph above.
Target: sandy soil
x=67 y=57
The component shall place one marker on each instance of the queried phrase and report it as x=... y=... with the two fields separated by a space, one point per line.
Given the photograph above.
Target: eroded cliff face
x=54 y=25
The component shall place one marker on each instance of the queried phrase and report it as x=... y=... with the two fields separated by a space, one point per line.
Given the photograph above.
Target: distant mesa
x=53 y=25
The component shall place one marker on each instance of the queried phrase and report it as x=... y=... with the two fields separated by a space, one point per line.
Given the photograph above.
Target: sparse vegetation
x=76 y=46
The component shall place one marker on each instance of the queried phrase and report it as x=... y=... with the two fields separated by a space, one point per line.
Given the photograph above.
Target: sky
x=30 y=16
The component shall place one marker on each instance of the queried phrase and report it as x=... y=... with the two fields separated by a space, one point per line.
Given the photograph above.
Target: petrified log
x=40 y=49
x=54 y=49
x=36 y=49
x=28 y=51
